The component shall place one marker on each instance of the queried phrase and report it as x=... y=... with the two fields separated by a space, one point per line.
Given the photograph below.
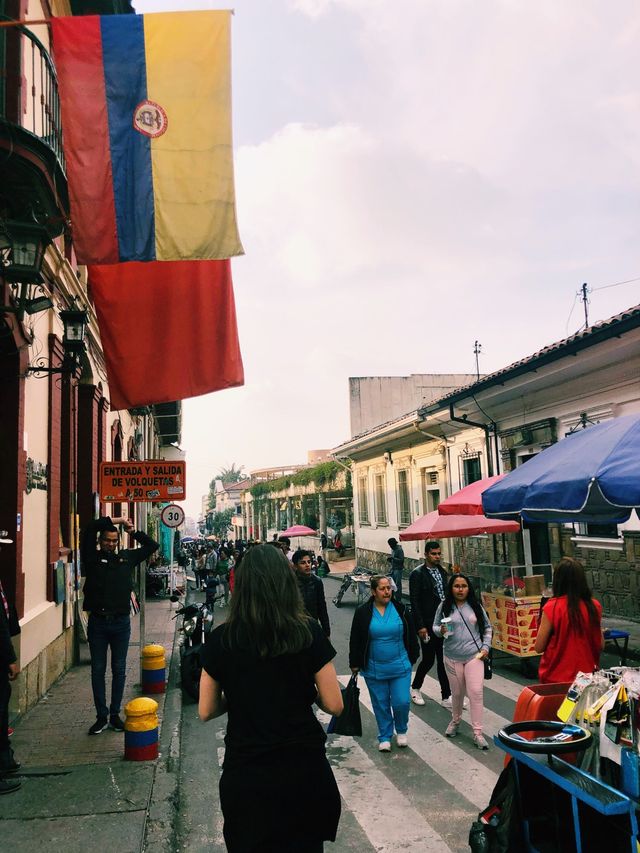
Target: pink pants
x=466 y=678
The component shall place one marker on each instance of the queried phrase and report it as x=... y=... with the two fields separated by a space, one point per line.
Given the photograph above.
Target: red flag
x=168 y=330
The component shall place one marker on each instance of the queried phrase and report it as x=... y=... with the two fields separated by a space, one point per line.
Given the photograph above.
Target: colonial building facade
x=403 y=468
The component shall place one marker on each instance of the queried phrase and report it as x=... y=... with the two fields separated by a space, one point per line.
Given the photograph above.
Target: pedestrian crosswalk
x=443 y=755
x=413 y=800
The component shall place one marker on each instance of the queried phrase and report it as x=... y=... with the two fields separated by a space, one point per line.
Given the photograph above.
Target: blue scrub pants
x=390 y=698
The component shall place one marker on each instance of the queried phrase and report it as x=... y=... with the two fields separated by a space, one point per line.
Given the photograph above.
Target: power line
x=615 y=284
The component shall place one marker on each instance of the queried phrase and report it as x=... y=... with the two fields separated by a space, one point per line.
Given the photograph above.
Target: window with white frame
x=471 y=470
x=430 y=490
x=380 y=493
x=404 y=498
x=596 y=531
x=363 y=498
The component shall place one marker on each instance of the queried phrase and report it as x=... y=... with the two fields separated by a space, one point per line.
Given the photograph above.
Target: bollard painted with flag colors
x=154 y=669
x=141 y=729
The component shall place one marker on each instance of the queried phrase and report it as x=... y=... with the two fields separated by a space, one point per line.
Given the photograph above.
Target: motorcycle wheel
x=190 y=669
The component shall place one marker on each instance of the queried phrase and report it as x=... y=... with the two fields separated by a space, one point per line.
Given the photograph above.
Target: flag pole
x=25 y=23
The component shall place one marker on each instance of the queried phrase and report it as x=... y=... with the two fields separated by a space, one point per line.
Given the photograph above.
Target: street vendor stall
x=577 y=777
x=590 y=803
x=513 y=597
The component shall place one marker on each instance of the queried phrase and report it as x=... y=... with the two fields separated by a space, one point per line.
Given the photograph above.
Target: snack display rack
x=512 y=597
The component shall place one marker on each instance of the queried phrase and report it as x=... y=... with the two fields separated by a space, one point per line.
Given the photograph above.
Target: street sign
x=148 y=480
x=172 y=515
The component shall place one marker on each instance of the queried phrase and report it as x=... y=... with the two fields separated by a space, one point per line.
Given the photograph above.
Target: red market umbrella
x=298 y=530
x=436 y=526
x=468 y=501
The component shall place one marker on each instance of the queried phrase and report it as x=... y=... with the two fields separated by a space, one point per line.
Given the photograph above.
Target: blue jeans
x=390 y=699
x=103 y=633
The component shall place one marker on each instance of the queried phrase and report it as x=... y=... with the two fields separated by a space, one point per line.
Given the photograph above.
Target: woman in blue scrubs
x=382 y=647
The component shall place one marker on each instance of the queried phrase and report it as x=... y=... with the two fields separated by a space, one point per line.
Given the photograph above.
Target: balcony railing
x=42 y=114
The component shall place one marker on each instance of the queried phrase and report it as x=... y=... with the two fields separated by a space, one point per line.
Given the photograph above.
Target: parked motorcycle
x=197 y=624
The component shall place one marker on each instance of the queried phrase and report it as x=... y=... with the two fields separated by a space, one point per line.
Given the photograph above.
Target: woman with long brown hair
x=265 y=667
x=570 y=633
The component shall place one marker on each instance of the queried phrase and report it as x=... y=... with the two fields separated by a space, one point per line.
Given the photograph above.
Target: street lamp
x=22 y=248
x=75 y=320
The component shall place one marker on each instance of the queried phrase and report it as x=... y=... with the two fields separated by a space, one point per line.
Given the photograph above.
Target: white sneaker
x=448 y=703
x=417 y=698
x=401 y=741
x=384 y=746
x=452 y=729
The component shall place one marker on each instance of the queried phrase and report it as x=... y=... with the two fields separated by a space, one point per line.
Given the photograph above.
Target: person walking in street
x=224 y=567
x=396 y=565
x=270 y=650
x=311 y=589
x=383 y=646
x=570 y=634
x=466 y=634
x=107 y=596
x=323 y=545
x=427 y=585
x=286 y=542
x=9 y=670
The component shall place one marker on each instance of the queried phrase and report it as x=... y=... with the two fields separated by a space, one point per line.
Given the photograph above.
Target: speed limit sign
x=172 y=515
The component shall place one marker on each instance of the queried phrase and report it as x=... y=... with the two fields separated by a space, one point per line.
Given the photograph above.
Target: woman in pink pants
x=466 y=629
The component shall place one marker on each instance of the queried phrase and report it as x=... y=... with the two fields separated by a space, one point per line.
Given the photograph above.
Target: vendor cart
x=360 y=585
x=512 y=597
x=563 y=808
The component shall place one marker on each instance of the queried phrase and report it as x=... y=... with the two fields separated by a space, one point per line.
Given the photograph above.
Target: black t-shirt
x=270 y=700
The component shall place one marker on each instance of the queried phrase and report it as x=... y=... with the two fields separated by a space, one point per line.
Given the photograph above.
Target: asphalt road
x=423 y=798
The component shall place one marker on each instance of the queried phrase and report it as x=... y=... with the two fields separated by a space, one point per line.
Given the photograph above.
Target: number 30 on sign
x=172 y=515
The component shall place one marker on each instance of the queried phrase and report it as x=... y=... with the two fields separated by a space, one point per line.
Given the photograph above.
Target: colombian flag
x=146 y=112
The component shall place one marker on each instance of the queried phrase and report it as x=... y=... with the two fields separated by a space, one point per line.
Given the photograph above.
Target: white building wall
x=375 y=400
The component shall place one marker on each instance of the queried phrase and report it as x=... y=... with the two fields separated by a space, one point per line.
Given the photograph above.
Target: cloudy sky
x=412 y=176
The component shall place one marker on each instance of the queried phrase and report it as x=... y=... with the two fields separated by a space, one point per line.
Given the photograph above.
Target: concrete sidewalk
x=78 y=788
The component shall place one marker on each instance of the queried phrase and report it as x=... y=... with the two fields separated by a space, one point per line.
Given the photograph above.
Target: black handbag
x=488 y=666
x=488 y=661
x=349 y=722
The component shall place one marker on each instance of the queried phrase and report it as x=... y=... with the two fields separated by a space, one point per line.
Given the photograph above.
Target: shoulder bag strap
x=468 y=629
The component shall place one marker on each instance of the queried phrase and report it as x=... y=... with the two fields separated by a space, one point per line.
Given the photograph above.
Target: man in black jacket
x=9 y=669
x=427 y=586
x=107 y=596
x=311 y=589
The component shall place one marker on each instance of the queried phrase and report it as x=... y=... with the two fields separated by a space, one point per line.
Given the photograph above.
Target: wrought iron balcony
x=32 y=170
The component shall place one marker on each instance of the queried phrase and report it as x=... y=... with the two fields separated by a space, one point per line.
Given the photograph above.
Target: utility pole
x=585 y=301
x=477 y=349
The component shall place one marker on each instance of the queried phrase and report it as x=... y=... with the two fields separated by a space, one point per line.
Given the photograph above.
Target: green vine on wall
x=320 y=475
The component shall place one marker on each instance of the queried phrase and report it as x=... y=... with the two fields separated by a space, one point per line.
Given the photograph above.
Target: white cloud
x=411 y=177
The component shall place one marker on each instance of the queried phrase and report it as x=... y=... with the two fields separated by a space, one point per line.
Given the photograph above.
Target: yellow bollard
x=141 y=729
x=154 y=669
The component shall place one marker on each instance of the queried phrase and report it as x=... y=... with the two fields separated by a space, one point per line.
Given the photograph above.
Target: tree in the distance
x=220 y=522
x=231 y=475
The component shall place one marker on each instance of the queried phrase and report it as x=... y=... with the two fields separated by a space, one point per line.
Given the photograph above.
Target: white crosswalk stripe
x=492 y=722
x=444 y=756
x=396 y=827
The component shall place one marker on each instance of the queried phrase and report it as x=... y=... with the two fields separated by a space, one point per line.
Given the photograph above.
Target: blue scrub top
x=388 y=657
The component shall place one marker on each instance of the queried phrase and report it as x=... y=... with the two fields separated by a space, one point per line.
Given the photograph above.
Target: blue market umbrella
x=592 y=475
